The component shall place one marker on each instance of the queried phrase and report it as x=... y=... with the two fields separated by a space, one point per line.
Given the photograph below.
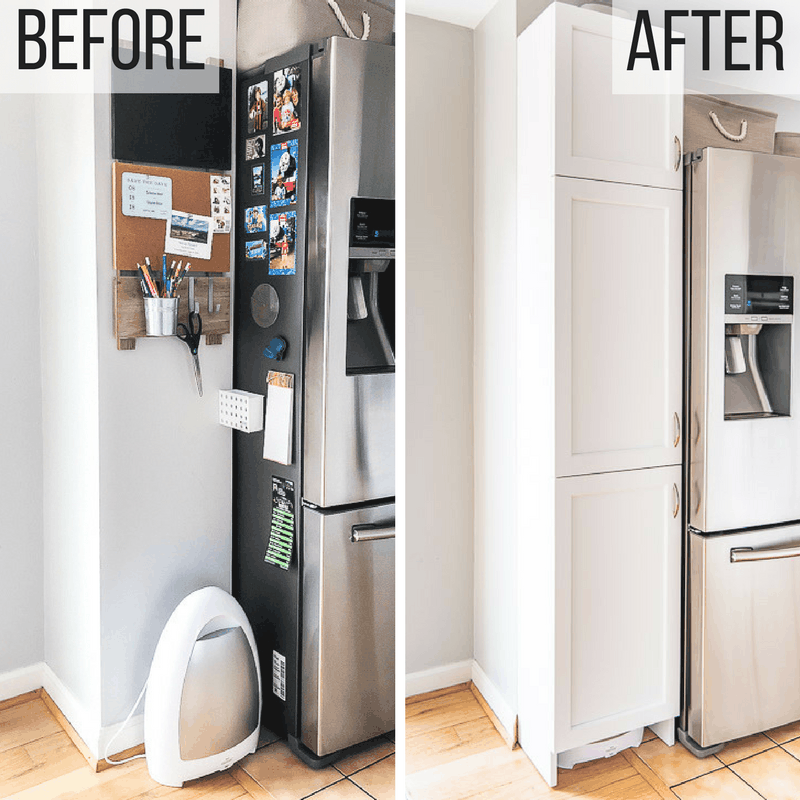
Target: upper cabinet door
x=603 y=135
x=618 y=326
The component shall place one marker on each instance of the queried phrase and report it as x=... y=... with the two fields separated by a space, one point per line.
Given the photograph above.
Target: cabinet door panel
x=618 y=555
x=605 y=135
x=618 y=327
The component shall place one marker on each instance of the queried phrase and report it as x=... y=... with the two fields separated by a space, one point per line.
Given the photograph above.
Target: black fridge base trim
x=695 y=749
x=319 y=762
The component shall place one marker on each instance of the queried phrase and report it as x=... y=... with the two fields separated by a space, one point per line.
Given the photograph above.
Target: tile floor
x=38 y=761
x=275 y=773
x=766 y=765
x=454 y=753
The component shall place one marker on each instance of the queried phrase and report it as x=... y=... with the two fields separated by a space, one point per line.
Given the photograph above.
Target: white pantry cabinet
x=599 y=313
x=593 y=131
x=618 y=326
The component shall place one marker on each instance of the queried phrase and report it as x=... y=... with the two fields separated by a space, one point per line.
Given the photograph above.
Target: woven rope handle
x=721 y=128
x=343 y=22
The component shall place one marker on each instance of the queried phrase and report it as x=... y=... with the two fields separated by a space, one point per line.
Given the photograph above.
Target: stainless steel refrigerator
x=742 y=554
x=314 y=537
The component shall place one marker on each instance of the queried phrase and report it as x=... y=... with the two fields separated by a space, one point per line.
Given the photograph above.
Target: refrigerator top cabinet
x=744 y=432
x=349 y=389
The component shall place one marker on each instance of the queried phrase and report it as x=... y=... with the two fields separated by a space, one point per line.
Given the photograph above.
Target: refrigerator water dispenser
x=758 y=346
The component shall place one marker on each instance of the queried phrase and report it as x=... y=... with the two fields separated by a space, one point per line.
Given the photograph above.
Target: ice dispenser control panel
x=759 y=298
x=371 y=228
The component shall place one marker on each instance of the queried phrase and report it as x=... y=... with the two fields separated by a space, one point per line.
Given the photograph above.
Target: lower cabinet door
x=618 y=550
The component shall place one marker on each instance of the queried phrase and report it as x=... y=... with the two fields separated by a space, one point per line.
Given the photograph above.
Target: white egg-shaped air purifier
x=202 y=710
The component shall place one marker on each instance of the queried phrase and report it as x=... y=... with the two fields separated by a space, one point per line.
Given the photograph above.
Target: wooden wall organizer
x=129 y=308
x=137 y=237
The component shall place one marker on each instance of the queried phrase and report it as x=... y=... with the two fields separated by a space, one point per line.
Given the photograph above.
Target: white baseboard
x=130 y=737
x=86 y=725
x=88 y=728
x=20 y=681
x=38 y=676
x=502 y=710
x=429 y=680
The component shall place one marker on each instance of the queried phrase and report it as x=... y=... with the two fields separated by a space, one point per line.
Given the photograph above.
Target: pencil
x=149 y=280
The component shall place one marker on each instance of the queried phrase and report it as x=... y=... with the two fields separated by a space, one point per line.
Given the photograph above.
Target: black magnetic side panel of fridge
x=271 y=169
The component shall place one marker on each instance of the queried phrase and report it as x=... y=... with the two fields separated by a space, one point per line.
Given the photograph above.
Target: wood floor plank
x=420 y=698
x=254 y=789
x=591 y=776
x=38 y=762
x=24 y=723
x=65 y=786
x=658 y=785
x=442 y=712
x=509 y=737
x=219 y=786
x=469 y=777
x=442 y=746
x=124 y=782
x=19 y=699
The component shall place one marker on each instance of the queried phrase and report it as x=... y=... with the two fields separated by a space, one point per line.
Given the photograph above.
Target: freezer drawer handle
x=677 y=430
x=677 y=500
x=767 y=554
x=371 y=533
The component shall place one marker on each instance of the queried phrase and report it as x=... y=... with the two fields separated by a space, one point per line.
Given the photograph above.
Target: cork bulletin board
x=137 y=237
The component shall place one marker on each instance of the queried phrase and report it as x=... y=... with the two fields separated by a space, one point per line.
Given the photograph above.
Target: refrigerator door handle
x=677 y=430
x=371 y=533
x=740 y=554
x=677 y=500
x=678 y=153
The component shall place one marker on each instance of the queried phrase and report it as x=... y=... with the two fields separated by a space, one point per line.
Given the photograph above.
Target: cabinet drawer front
x=599 y=134
x=618 y=547
x=619 y=321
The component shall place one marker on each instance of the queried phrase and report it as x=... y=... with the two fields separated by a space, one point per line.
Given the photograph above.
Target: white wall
x=137 y=470
x=439 y=303
x=71 y=502
x=495 y=343
x=21 y=620
x=165 y=465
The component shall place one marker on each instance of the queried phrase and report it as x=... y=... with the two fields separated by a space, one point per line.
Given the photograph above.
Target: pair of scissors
x=192 y=339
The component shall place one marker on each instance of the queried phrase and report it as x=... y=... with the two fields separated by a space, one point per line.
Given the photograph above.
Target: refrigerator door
x=348 y=627
x=742 y=467
x=744 y=622
x=349 y=418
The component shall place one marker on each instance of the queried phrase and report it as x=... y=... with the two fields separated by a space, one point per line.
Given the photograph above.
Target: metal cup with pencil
x=161 y=309
x=160 y=300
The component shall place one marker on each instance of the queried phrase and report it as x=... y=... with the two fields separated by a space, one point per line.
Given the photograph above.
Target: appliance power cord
x=125 y=725
x=343 y=22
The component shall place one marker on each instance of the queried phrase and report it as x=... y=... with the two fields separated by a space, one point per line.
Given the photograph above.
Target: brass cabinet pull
x=678 y=153
x=677 y=430
x=677 y=500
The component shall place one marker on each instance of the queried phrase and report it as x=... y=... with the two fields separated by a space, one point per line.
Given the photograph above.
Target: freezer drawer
x=348 y=627
x=744 y=627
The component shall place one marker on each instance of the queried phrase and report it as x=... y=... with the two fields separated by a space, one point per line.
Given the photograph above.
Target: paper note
x=221 y=203
x=189 y=235
x=147 y=196
x=279 y=418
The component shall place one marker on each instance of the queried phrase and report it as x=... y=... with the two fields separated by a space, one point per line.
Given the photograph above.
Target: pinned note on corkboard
x=140 y=229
